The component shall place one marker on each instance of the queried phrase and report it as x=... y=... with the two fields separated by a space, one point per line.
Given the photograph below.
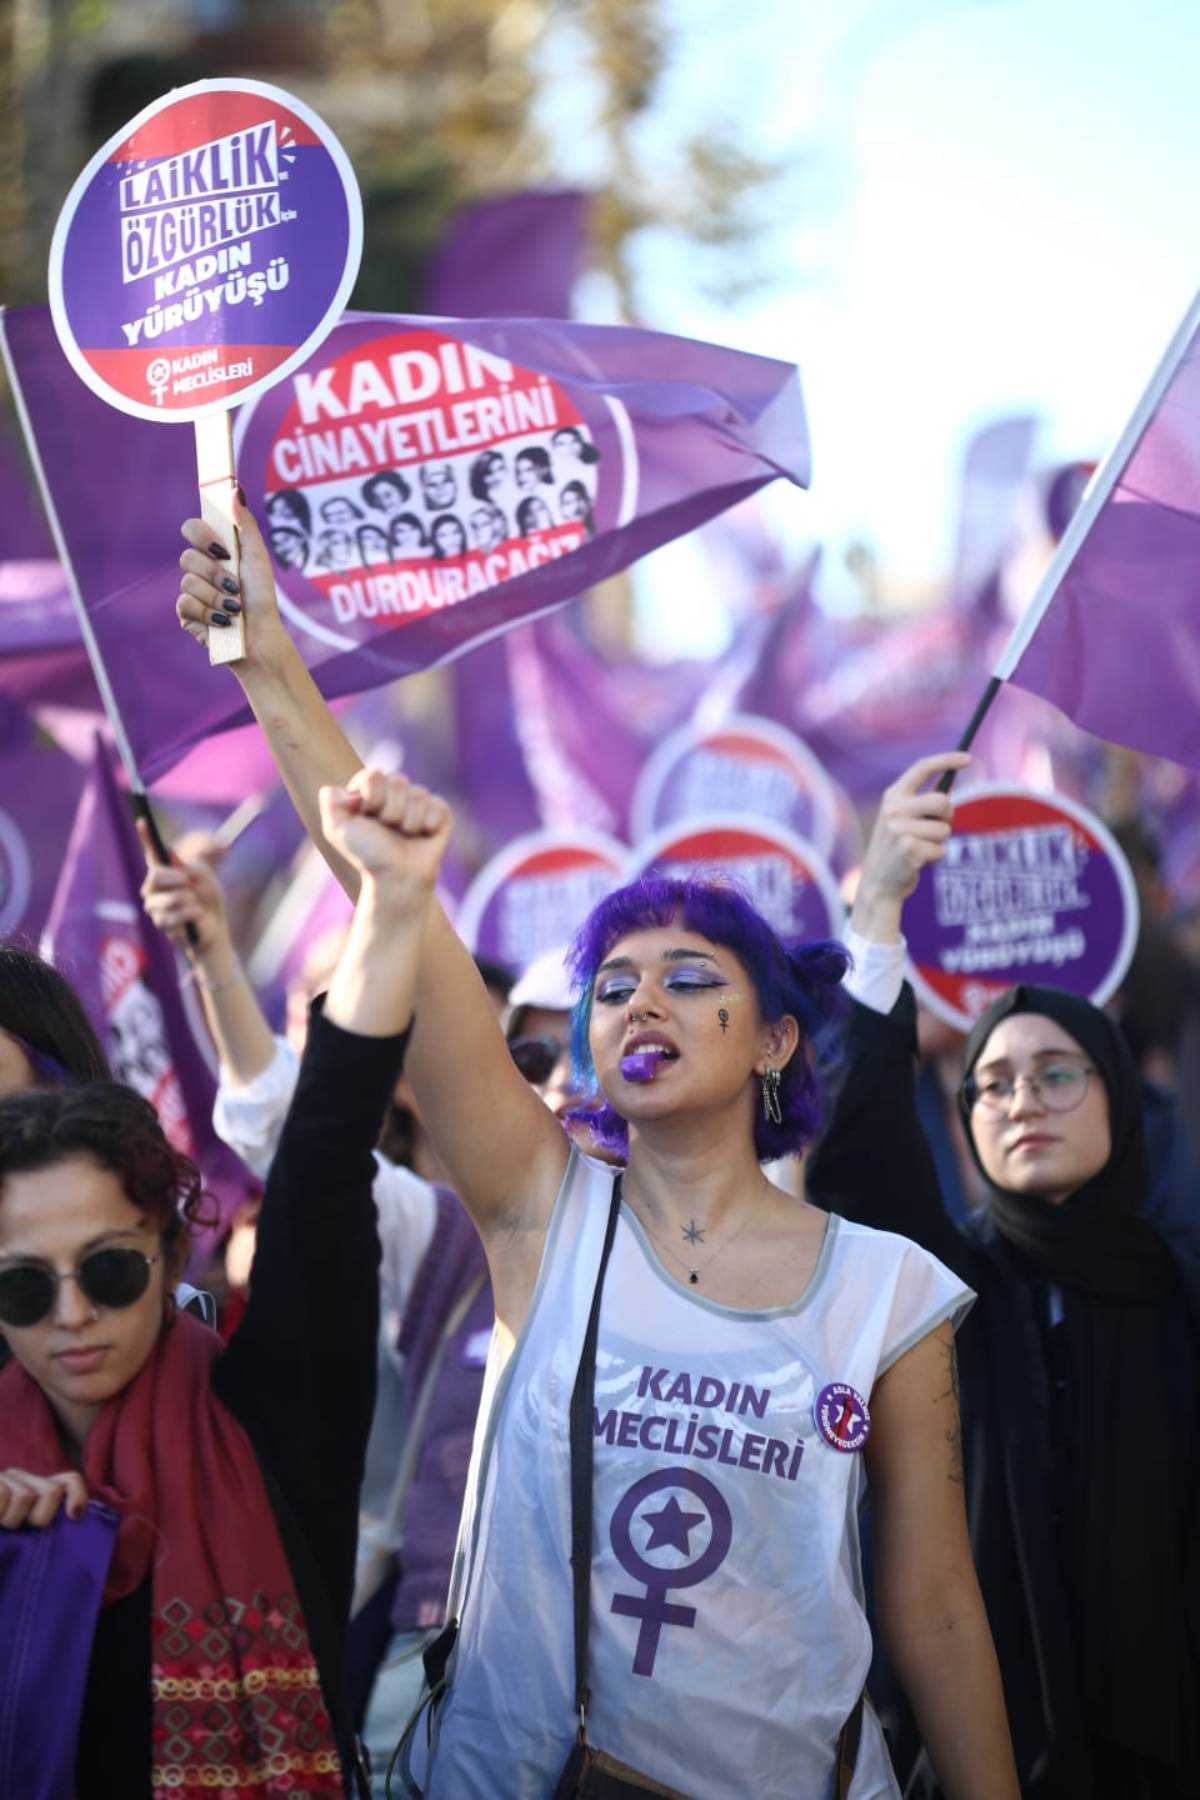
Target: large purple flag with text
x=425 y=484
x=39 y=789
x=128 y=977
x=1113 y=634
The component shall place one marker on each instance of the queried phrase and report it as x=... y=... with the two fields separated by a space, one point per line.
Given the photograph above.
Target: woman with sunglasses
x=435 y=1298
x=233 y=1471
x=750 y=1682
x=1080 y=1392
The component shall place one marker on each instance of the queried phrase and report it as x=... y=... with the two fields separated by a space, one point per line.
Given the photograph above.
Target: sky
x=998 y=216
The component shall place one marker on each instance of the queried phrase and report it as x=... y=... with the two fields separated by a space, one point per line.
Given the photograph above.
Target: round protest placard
x=1032 y=888
x=407 y=470
x=536 y=892
x=744 y=765
x=205 y=250
x=788 y=881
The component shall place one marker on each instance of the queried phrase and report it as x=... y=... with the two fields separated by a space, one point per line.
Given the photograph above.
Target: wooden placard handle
x=218 y=508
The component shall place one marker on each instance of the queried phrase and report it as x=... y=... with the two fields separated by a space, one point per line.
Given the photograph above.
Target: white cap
x=545 y=984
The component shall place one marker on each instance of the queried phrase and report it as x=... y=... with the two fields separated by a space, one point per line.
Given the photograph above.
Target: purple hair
x=801 y=979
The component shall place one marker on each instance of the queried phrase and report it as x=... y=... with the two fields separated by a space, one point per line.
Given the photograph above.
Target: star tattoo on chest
x=692 y=1233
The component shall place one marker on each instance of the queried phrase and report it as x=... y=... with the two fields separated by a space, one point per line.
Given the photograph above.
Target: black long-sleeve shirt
x=298 y=1375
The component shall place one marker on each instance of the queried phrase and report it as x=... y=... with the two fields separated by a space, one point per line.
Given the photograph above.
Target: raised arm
x=309 y=746
x=189 y=893
x=873 y=1163
x=503 y=1150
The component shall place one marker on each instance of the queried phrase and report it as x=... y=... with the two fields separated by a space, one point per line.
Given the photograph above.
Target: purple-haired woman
x=758 y=1361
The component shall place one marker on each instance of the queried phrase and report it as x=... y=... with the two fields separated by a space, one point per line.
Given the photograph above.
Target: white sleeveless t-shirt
x=729 y=1640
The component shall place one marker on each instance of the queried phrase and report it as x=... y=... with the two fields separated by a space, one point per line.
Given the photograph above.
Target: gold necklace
x=693 y=1273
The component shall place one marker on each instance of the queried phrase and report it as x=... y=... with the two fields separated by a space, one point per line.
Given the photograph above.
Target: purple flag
x=23 y=534
x=39 y=788
x=40 y=638
x=994 y=470
x=42 y=658
x=513 y=257
x=1112 y=635
x=127 y=975
x=37 y=613
x=426 y=485
x=554 y=733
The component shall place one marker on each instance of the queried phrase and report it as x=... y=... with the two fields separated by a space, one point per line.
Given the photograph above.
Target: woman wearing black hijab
x=1080 y=1388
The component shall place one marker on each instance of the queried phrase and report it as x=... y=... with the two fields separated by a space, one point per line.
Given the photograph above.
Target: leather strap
x=582 y=1448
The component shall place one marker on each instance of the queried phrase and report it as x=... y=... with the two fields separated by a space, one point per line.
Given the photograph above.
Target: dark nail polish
x=219 y=618
x=230 y=585
x=219 y=550
x=231 y=606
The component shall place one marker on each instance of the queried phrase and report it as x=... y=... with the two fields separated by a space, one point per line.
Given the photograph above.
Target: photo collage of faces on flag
x=440 y=509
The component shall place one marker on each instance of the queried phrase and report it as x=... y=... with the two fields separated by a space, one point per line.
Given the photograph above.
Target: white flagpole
x=1097 y=492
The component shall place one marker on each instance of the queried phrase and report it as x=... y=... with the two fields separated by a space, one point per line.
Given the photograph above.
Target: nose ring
x=638 y=1018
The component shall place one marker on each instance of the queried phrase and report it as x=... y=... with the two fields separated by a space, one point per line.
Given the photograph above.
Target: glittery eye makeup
x=691 y=981
x=615 y=991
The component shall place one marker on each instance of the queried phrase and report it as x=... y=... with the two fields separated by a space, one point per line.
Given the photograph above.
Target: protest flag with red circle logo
x=424 y=484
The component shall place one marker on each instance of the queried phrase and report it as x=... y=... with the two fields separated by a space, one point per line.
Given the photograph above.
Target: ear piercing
x=772 y=1111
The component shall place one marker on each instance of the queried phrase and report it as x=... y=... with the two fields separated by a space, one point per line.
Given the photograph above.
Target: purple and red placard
x=1032 y=888
x=205 y=250
x=535 y=894
x=744 y=765
x=412 y=471
x=788 y=881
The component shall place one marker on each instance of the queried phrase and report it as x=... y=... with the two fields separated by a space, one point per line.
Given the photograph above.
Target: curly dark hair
x=117 y=1129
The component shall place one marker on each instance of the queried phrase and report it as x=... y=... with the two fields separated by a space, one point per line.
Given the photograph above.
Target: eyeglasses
x=536 y=1057
x=113 y=1276
x=1059 y=1087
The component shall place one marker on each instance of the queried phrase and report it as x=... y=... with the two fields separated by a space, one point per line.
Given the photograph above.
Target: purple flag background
x=1118 y=645
x=994 y=469
x=39 y=788
x=516 y=256
x=128 y=977
x=23 y=533
x=722 y=426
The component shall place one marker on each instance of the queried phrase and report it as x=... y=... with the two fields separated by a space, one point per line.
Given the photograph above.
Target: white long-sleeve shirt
x=249 y=1119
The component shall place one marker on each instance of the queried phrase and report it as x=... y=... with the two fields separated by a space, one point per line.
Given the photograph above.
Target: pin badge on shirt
x=841 y=1416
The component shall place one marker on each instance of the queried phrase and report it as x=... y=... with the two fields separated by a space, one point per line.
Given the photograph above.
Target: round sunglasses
x=112 y=1276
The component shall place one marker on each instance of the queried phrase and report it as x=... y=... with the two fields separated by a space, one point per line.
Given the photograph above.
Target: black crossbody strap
x=582 y=1445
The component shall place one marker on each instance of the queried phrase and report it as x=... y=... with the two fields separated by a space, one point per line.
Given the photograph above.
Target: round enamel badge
x=841 y=1416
